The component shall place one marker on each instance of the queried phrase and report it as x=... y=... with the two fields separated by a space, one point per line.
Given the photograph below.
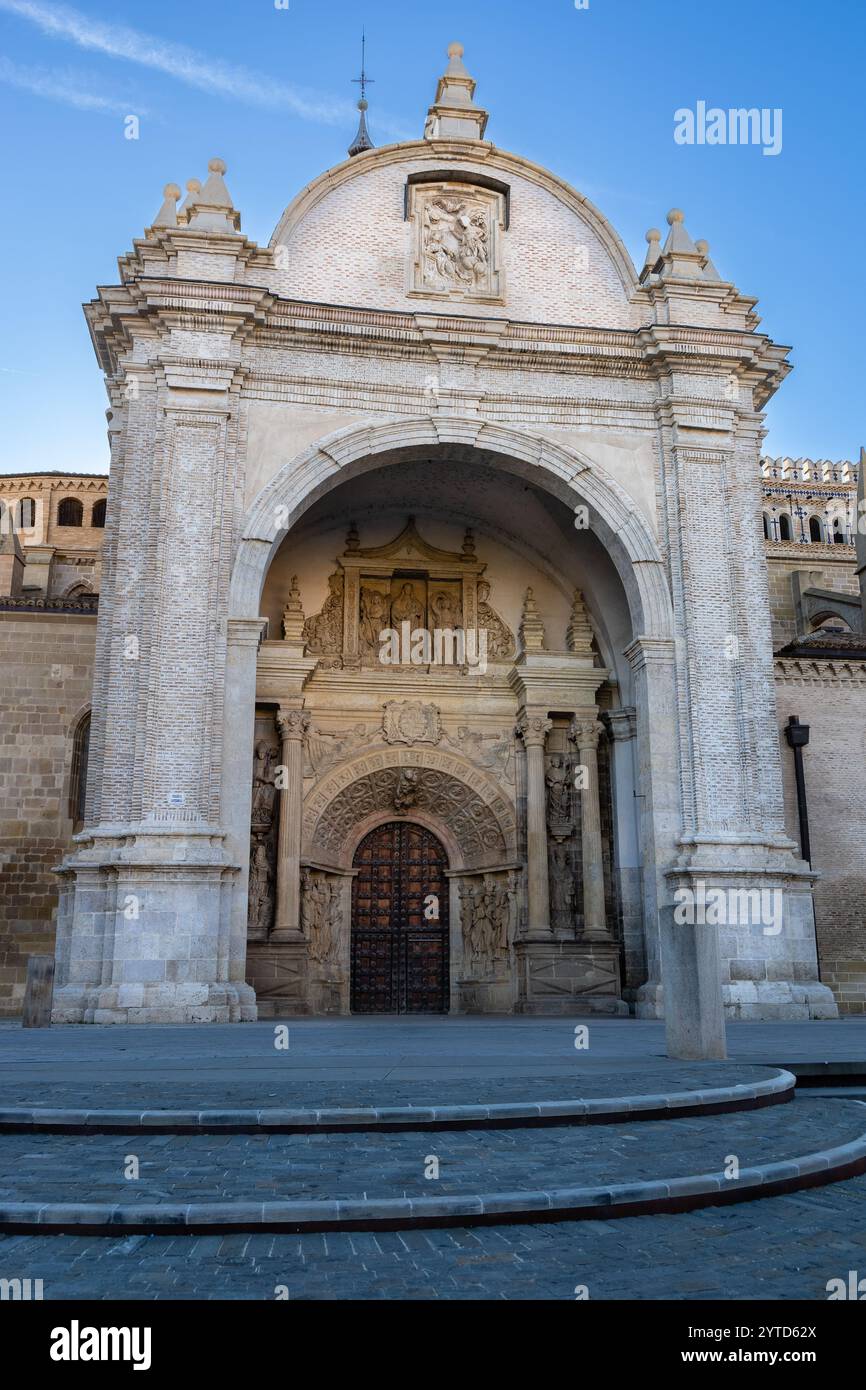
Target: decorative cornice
x=809 y=671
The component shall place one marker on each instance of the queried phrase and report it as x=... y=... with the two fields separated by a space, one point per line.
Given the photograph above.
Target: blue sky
x=590 y=93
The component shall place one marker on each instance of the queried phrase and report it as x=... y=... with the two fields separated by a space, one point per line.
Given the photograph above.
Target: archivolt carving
x=477 y=814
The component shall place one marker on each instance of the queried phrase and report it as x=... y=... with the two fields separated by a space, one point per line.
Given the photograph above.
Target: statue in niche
x=558 y=779
x=264 y=791
x=374 y=619
x=484 y=914
x=445 y=611
x=406 y=608
x=260 y=900
x=323 y=633
x=561 y=886
x=500 y=638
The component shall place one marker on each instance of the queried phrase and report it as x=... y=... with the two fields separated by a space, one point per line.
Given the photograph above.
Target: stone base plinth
x=279 y=972
x=484 y=996
x=567 y=977
x=155 y=1003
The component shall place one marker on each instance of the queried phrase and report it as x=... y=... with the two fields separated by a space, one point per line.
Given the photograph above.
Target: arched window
x=815 y=529
x=26 y=514
x=767 y=532
x=70 y=512
x=838 y=533
x=78 y=773
x=784 y=527
x=97 y=516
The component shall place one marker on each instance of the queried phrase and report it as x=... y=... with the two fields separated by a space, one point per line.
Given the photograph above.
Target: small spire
x=293 y=615
x=653 y=252
x=167 y=215
x=710 y=272
x=362 y=140
x=454 y=115
x=531 y=625
x=210 y=208
x=579 y=636
x=353 y=540
x=682 y=260
x=193 y=188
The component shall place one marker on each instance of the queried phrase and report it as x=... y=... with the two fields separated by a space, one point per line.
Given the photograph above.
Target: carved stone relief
x=501 y=643
x=326 y=748
x=470 y=820
x=323 y=633
x=380 y=597
x=485 y=920
x=456 y=241
x=322 y=916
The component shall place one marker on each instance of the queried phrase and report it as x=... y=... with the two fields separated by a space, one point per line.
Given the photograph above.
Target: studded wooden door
x=400 y=922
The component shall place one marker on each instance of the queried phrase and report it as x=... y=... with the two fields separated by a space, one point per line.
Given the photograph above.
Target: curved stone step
x=668 y=1170
x=764 y=1087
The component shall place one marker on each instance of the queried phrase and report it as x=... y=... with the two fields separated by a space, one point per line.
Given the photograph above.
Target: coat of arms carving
x=410 y=721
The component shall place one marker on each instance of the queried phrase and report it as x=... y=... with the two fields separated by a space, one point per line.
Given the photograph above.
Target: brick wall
x=835 y=771
x=46 y=664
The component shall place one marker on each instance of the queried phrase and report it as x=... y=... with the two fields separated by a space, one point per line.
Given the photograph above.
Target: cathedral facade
x=433 y=663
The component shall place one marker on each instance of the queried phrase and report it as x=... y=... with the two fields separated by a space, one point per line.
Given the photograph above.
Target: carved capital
x=586 y=732
x=533 y=729
x=292 y=724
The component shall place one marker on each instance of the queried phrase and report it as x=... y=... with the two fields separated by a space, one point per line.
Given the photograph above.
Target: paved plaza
x=780 y=1247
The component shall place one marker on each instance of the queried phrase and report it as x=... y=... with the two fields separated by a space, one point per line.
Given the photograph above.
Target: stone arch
x=459 y=802
x=562 y=471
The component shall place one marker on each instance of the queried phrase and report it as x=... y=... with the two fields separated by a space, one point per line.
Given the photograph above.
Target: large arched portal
x=532 y=760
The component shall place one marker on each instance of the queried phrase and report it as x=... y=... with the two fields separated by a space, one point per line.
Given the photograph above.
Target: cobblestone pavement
x=776 y=1248
x=283 y=1087
x=207 y=1168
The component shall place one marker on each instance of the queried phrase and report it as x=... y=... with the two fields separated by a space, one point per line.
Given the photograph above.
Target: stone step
x=320 y=1181
x=606 y=1099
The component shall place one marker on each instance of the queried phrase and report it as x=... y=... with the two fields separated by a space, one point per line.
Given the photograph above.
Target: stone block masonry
x=46 y=661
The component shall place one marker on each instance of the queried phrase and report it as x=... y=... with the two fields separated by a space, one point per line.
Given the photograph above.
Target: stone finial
x=653 y=253
x=293 y=615
x=454 y=115
x=531 y=626
x=469 y=544
x=211 y=209
x=710 y=272
x=362 y=140
x=578 y=638
x=193 y=188
x=681 y=258
x=353 y=540
x=167 y=215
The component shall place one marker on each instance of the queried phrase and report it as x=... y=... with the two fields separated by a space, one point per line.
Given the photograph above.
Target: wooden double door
x=400 y=922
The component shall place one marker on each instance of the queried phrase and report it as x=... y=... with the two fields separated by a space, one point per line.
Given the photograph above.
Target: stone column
x=533 y=729
x=293 y=725
x=586 y=733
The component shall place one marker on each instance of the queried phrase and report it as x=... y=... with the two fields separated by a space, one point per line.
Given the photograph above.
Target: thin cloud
x=63 y=87
x=184 y=64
